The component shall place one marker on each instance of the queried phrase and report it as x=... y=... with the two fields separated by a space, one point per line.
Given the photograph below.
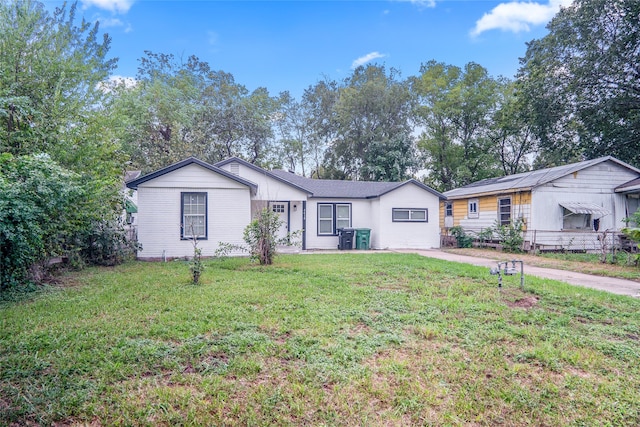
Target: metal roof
x=629 y=187
x=585 y=208
x=528 y=180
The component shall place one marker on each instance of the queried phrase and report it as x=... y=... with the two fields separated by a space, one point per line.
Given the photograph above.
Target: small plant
x=462 y=238
x=511 y=235
x=195 y=264
x=261 y=238
x=633 y=233
x=484 y=236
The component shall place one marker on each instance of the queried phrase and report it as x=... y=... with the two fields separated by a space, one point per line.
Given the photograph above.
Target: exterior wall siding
x=488 y=210
x=228 y=213
x=410 y=235
x=360 y=218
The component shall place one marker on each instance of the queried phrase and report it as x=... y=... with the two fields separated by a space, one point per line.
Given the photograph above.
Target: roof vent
x=234 y=168
x=292 y=171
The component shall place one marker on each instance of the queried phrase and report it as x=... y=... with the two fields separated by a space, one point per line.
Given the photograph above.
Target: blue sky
x=289 y=45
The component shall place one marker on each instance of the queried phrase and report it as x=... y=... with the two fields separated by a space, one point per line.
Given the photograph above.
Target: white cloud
x=518 y=16
x=116 y=6
x=367 y=58
x=110 y=22
x=421 y=3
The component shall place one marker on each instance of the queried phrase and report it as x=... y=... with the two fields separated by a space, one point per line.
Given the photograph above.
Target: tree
x=50 y=82
x=293 y=124
x=582 y=83
x=178 y=109
x=455 y=107
x=510 y=131
x=372 y=111
x=318 y=102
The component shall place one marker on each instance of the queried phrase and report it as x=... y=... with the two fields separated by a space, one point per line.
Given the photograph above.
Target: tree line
x=575 y=96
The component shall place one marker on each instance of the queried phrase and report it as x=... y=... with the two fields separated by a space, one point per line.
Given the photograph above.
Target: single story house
x=214 y=203
x=565 y=207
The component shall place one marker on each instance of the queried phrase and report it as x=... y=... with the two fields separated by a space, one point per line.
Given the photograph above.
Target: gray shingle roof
x=528 y=180
x=331 y=188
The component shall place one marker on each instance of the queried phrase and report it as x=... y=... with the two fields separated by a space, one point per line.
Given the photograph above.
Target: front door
x=282 y=209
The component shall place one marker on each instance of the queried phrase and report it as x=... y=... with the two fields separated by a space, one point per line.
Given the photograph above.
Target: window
x=448 y=209
x=194 y=216
x=576 y=221
x=332 y=216
x=409 y=215
x=473 y=208
x=504 y=211
x=277 y=208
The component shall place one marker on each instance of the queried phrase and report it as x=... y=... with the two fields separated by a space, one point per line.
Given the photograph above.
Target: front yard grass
x=327 y=339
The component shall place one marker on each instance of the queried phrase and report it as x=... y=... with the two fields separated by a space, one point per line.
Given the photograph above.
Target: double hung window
x=332 y=216
x=194 y=216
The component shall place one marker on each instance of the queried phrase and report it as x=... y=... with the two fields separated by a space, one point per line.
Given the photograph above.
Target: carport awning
x=585 y=208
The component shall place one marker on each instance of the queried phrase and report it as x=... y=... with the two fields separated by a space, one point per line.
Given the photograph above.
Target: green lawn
x=344 y=339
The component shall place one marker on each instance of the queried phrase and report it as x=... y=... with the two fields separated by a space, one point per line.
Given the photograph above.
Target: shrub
x=462 y=238
x=48 y=211
x=511 y=236
x=261 y=238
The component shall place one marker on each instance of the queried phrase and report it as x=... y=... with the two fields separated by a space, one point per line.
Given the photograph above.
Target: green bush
x=47 y=211
x=511 y=236
x=463 y=239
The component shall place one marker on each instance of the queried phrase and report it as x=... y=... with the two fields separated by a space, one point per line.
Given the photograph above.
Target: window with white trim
x=448 y=209
x=473 y=208
x=332 y=216
x=409 y=215
x=194 y=216
x=504 y=210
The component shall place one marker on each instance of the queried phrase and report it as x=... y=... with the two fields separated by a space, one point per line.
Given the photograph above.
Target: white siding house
x=187 y=198
x=565 y=207
x=218 y=202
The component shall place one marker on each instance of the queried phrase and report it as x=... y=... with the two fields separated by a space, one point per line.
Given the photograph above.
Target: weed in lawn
x=349 y=339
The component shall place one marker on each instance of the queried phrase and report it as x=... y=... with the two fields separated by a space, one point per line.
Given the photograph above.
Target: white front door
x=282 y=209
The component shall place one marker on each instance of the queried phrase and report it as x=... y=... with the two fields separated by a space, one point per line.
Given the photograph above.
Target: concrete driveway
x=609 y=284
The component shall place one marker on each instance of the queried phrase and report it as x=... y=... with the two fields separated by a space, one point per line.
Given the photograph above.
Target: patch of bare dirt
x=526 y=302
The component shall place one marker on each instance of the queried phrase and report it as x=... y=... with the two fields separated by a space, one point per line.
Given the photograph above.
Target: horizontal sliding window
x=409 y=215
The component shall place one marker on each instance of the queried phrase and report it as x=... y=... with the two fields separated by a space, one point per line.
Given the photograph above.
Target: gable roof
x=191 y=160
x=529 y=180
x=259 y=170
x=339 y=189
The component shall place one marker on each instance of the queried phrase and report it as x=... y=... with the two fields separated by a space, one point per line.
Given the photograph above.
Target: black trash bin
x=345 y=238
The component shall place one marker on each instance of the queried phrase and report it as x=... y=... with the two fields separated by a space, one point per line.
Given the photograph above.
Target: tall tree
x=178 y=109
x=318 y=102
x=455 y=107
x=582 y=82
x=511 y=132
x=373 y=109
x=51 y=71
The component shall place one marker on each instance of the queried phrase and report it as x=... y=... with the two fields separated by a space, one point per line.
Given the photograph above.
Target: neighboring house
x=216 y=202
x=565 y=207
